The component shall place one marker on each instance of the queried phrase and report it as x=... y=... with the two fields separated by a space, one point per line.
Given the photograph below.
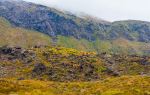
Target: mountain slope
x=48 y=20
x=132 y=30
x=14 y=36
x=54 y=22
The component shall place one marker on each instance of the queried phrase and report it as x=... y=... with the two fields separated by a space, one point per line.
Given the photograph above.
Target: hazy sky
x=106 y=9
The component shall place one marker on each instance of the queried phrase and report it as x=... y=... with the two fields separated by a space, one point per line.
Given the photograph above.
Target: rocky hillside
x=49 y=63
x=64 y=64
x=54 y=22
x=57 y=70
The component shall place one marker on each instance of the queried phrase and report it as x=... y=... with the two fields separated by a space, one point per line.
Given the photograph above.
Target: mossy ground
x=125 y=85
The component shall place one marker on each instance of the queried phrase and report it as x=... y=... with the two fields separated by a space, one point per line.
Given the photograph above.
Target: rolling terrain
x=45 y=51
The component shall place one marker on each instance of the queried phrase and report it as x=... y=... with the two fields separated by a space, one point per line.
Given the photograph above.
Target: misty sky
x=105 y=9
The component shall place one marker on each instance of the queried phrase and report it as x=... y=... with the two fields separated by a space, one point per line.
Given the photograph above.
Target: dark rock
x=39 y=68
x=21 y=78
x=7 y=50
x=112 y=72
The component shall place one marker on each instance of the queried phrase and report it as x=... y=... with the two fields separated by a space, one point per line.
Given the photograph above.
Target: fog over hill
x=106 y=9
